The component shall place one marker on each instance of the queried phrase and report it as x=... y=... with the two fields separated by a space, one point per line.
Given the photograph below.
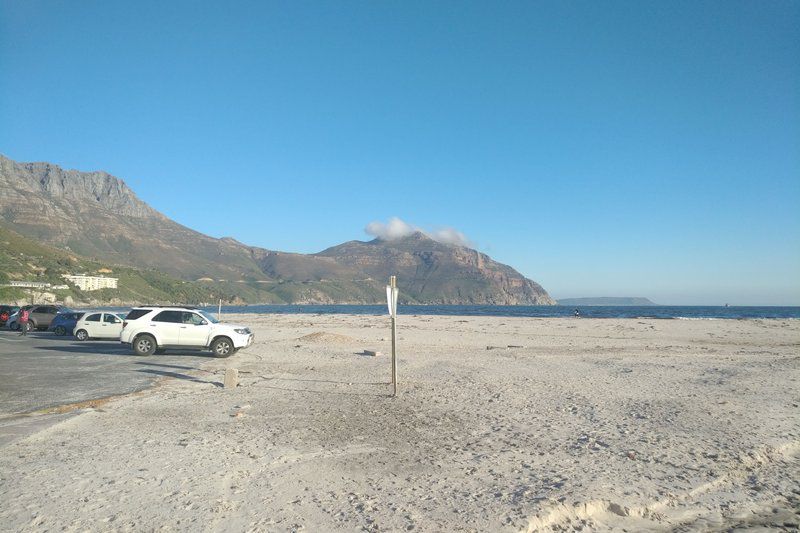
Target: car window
x=133 y=314
x=110 y=319
x=192 y=318
x=93 y=318
x=209 y=317
x=168 y=316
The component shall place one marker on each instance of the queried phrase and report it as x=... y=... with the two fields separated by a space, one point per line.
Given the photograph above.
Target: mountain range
x=96 y=217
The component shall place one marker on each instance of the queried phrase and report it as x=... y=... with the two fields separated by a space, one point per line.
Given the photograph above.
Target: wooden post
x=231 y=378
x=393 y=285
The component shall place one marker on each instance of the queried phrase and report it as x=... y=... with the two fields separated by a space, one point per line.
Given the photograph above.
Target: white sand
x=600 y=424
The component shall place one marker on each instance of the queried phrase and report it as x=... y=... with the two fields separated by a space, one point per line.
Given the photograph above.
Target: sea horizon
x=530 y=311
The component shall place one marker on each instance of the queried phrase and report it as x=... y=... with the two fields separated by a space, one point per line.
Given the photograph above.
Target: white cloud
x=450 y=236
x=397 y=229
x=394 y=229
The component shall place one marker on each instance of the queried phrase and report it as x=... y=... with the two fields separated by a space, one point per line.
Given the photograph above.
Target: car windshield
x=208 y=316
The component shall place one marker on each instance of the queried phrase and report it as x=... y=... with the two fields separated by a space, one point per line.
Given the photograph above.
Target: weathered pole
x=393 y=285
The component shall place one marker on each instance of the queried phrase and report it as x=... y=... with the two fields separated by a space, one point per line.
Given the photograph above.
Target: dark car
x=5 y=312
x=40 y=316
x=64 y=322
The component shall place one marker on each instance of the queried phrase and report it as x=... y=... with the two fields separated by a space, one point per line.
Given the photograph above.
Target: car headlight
x=242 y=331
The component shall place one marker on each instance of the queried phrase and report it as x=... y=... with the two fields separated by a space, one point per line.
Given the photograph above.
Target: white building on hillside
x=92 y=283
x=29 y=284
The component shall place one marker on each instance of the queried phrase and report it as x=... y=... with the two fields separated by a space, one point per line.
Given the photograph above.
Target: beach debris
x=323 y=337
x=231 y=378
x=372 y=353
x=506 y=347
x=239 y=410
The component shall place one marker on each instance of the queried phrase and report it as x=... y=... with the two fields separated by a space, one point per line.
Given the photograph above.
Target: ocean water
x=541 y=311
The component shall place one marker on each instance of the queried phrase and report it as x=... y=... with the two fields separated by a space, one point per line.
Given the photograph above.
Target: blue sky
x=601 y=148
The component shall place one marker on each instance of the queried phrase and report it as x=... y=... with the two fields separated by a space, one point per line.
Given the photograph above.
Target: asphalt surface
x=42 y=370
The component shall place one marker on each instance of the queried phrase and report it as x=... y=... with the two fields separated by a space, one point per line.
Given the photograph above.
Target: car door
x=194 y=330
x=49 y=313
x=38 y=316
x=92 y=325
x=111 y=326
x=167 y=326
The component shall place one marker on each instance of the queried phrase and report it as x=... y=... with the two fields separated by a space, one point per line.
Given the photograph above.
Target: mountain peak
x=21 y=180
x=411 y=238
x=417 y=236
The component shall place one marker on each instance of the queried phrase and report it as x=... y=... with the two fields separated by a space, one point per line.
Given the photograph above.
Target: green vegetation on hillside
x=26 y=260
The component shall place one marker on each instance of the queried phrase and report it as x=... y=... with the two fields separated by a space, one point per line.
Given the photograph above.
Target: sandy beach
x=500 y=424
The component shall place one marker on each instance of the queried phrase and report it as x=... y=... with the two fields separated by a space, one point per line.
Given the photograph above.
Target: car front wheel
x=82 y=335
x=144 y=345
x=222 y=347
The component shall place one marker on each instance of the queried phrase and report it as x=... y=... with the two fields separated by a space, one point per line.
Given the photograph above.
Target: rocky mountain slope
x=95 y=215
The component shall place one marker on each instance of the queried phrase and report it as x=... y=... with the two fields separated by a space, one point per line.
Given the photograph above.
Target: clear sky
x=601 y=148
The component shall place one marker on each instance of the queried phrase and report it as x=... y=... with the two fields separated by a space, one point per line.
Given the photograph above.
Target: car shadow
x=192 y=353
x=178 y=375
x=115 y=348
x=50 y=336
x=86 y=348
x=179 y=367
x=39 y=334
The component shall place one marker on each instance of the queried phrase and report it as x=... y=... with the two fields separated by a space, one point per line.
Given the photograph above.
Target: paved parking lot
x=43 y=370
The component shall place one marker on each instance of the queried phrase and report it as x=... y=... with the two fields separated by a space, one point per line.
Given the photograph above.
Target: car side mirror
x=203 y=323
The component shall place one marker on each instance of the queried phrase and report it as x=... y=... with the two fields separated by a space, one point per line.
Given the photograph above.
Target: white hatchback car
x=153 y=329
x=98 y=325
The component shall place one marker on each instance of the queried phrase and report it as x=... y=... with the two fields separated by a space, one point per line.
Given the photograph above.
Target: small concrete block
x=231 y=378
x=372 y=353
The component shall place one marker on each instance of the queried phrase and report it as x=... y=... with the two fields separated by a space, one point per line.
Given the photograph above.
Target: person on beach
x=23 y=321
x=577 y=313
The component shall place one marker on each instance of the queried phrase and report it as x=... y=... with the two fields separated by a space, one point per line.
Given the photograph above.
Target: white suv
x=153 y=329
